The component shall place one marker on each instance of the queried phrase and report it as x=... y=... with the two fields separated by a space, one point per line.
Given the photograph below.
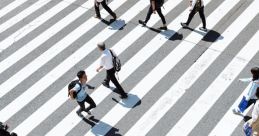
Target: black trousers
x=201 y=13
x=158 y=10
x=105 y=6
x=110 y=76
x=90 y=101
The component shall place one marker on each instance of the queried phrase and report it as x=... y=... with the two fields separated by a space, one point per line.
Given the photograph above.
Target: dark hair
x=257 y=92
x=255 y=73
x=80 y=74
x=101 y=45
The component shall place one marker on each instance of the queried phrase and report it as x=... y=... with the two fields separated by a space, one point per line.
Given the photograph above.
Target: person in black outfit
x=155 y=6
x=107 y=64
x=105 y=6
x=196 y=6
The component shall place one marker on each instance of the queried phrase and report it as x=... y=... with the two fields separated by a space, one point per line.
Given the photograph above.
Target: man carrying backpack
x=108 y=62
x=78 y=92
x=196 y=6
x=155 y=6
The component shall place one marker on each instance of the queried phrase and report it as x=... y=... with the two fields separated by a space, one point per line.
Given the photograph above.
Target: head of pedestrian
x=82 y=76
x=255 y=73
x=101 y=46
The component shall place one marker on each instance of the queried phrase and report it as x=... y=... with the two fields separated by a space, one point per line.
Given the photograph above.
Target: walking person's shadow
x=100 y=130
x=115 y=24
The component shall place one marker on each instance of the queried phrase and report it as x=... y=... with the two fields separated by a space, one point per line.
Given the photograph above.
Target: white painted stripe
x=10 y=40
x=100 y=94
x=22 y=15
x=230 y=121
x=11 y=7
x=191 y=118
x=43 y=83
x=159 y=109
x=37 y=41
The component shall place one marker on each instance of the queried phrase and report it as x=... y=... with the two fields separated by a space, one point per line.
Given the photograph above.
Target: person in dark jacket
x=196 y=6
x=155 y=6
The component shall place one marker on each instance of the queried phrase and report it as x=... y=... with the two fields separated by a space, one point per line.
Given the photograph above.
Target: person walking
x=81 y=96
x=196 y=6
x=155 y=6
x=250 y=98
x=107 y=63
x=97 y=3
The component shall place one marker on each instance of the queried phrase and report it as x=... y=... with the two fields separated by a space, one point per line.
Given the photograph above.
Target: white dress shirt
x=106 y=59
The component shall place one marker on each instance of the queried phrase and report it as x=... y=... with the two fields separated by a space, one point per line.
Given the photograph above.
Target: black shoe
x=163 y=28
x=98 y=16
x=124 y=96
x=79 y=114
x=106 y=85
x=89 y=112
x=142 y=22
x=184 y=25
x=203 y=29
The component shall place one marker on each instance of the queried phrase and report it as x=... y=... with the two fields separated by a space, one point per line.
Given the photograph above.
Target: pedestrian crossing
x=148 y=56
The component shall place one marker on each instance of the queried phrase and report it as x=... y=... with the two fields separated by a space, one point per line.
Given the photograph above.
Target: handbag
x=243 y=104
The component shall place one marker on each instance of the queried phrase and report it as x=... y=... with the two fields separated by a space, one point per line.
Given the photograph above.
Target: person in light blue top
x=249 y=98
x=82 y=96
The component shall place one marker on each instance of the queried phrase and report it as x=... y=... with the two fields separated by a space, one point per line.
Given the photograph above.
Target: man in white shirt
x=107 y=63
x=196 y=6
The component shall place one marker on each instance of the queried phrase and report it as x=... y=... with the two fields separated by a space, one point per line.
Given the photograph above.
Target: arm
x=99 y=69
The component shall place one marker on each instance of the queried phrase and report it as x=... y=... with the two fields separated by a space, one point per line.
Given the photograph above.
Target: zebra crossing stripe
x=7 y=42
x=40 y=39
x=138 y=59
x=230 y=120
x=11 y=6
x=43 y=83
x=217 y=88
x=22 y=15
x=159 y=109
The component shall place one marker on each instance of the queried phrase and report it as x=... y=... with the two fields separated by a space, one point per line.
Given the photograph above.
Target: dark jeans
x=110 y=76
x=158 y=10
x=201 y=13
x=90 y=101
x=103 y=3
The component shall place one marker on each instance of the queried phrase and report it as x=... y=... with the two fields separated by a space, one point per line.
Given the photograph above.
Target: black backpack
x=71 y=85
x=116 y=62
